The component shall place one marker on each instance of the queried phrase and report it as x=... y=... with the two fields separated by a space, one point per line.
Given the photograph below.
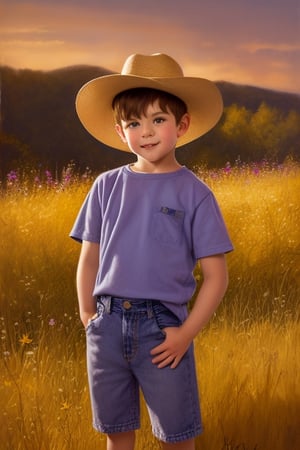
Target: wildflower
x=49 y=179
x=25 y=339
x=12 y=176
x=67 y=175
x=52 y=322
x=227 y=168
x=65 y=405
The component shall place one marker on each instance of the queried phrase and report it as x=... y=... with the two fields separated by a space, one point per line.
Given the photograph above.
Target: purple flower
x=227 y=168
x=12 y=176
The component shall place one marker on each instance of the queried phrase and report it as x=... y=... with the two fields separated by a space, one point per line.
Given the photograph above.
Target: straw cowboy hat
x=157 y=71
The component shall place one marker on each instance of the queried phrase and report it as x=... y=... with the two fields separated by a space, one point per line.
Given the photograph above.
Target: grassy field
x=248 y=358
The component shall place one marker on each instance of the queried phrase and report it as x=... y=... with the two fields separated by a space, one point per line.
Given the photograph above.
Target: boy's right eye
x=132 y=124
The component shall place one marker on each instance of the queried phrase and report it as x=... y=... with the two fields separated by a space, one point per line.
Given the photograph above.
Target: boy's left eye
x=159 y=120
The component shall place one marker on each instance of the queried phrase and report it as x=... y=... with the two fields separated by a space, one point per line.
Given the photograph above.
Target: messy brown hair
x=134 y=103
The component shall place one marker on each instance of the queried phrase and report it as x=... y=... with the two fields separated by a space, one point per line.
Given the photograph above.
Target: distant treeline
x=39 y=126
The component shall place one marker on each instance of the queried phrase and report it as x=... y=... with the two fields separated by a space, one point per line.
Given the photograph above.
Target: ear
x=120 y=132
x=183 y=125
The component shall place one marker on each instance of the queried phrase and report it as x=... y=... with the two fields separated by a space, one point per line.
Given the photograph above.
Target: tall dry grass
x=247 y=358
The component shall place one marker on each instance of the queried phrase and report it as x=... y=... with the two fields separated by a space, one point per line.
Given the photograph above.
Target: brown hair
x=134 y=102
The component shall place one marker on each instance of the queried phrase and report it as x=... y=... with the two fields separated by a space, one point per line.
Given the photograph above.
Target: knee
x=121 y=441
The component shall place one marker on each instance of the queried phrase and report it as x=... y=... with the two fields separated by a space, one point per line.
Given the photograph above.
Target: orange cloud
x=254 y=47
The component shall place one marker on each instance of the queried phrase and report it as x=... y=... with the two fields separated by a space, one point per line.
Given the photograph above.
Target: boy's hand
x=171 y=351
x=86 y=317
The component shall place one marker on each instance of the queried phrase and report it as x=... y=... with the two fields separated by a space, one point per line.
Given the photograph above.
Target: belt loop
x=149 y=309
x=105 y=301
x=108 y=304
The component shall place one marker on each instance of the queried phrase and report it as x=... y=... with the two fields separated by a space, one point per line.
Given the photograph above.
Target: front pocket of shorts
x=165 y=318
x=95 y=322
x=167 y=228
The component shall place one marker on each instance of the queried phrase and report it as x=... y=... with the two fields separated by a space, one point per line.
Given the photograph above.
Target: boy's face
x=153 y=137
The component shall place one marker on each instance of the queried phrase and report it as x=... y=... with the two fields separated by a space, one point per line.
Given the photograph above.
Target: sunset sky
x=254 y=42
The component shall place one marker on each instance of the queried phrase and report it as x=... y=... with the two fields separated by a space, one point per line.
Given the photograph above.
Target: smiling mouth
x=149 y=146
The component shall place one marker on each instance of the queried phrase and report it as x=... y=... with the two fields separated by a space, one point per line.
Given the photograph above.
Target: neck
x=148 y=167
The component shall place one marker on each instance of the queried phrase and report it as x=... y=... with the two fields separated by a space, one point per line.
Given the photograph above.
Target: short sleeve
x=87 y=226
x=209 y=232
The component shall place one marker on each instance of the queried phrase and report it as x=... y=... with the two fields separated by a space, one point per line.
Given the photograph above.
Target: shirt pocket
x=167 y=225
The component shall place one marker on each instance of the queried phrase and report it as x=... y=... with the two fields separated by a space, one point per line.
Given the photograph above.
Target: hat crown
x=157 y=65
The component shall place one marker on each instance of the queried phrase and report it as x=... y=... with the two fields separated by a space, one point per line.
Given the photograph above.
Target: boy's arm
x=212 y=290
x=85 y=279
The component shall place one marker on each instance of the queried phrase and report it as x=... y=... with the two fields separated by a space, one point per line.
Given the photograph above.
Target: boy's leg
x=121 y=441
x=171 y=395
x=184 y=445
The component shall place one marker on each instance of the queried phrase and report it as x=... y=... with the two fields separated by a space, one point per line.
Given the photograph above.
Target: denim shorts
x=119 y=340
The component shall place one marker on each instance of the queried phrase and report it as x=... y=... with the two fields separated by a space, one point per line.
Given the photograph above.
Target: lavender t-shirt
x=152 y=228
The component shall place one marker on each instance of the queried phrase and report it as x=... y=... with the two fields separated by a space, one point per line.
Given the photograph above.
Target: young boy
x=143 y=228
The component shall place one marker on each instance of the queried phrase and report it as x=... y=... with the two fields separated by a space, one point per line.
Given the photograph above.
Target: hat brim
x=94 y=104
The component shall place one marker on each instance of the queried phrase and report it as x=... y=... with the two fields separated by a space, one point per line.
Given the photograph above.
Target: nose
x=147 y=129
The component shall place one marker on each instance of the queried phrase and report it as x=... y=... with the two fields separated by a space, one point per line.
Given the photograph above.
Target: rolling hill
x=38 y=119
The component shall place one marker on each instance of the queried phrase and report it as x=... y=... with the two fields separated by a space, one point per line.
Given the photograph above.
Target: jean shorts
x=119 y=341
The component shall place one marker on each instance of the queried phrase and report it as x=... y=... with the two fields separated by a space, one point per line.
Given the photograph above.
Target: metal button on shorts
x=126 y=304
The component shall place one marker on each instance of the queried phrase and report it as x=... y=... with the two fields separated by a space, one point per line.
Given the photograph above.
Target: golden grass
x=247 y=358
